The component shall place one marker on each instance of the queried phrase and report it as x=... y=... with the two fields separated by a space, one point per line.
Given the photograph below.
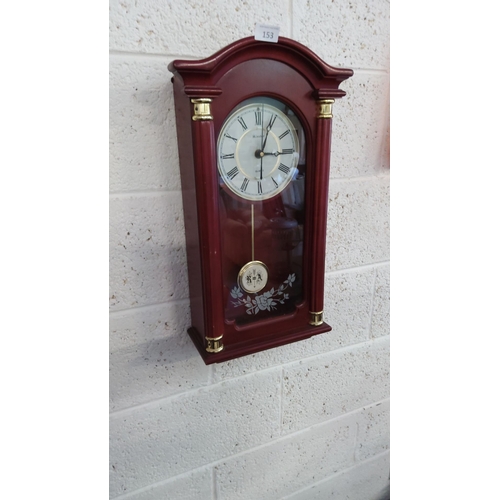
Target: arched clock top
x=205 y=73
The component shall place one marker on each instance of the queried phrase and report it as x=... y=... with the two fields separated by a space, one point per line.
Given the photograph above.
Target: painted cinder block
x=328 y=386
x=373 y=431
x=142 y=135
x=381 y=303
x=348 y=304
x=366 y=481
x=282 y=467
x=359 y=127
x=358 y=222
x=160 y=440
x=194 y=486
x=350 y=34
x=151 y=355
x=147 y=250
x=191 y=27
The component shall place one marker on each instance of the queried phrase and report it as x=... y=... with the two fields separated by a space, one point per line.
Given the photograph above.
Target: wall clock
x=254 y=127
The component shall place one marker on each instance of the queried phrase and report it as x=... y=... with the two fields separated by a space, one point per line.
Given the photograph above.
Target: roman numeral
x=275 y=183
x=284 y=134
x=271 y=122
x=244 y=184
x=287 y=152
x=284 y=168
x=242 y=122
x=232 y=173
x=259 y=187
x=258 y=117
x=225 y=157
x=229 y=137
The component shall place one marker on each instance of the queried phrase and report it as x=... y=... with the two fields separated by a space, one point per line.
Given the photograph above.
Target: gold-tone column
x=320 y=208
x=208 y=218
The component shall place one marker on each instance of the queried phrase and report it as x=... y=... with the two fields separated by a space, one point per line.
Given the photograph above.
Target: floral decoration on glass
x=265 y=302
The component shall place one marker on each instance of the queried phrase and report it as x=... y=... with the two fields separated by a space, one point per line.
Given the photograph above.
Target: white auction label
x=266 y=33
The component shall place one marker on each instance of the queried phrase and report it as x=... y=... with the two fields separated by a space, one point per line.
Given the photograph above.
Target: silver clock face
x=257 y=151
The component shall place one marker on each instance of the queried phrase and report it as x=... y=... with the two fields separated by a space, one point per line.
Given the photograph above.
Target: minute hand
x=277 y=153
x=268 y=128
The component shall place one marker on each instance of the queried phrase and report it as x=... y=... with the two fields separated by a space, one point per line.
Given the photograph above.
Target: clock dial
x=258 y=151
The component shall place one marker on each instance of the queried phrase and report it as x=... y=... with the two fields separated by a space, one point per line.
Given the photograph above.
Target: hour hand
x=261 y=154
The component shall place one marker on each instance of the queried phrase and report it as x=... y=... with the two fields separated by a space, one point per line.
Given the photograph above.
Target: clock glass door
x=261 y=154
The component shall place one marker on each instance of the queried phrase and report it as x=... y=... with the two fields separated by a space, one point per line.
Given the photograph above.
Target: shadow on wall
x=387 y=150
x=385 y=494
x=152 y=356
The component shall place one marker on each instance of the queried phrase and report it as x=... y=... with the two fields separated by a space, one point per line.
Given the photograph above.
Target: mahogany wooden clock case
x=254 y=128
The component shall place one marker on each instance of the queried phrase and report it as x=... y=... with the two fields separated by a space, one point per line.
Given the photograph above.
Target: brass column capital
x=324 y=108
x=202 y=109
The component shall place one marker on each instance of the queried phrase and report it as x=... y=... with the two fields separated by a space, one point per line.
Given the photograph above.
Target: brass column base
x=214 y=344
x=316 y=318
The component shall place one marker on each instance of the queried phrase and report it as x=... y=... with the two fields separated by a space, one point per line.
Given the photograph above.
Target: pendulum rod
x=253 y=256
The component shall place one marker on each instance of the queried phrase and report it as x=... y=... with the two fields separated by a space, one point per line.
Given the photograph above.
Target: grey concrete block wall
x=307 y=420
